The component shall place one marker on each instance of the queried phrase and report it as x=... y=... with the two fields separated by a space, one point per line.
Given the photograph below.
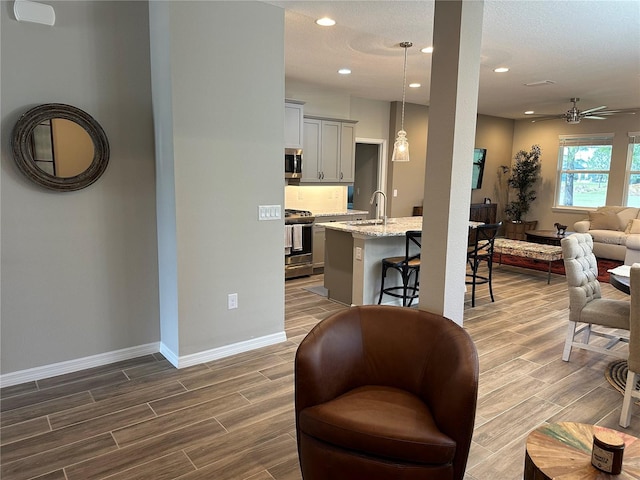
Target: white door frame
x=382 y=164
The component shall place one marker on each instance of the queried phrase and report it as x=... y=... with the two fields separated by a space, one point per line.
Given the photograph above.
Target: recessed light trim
x=326 y=22
x=344 y=71
x=427 y=50
x=501 y=69
x=415 y=85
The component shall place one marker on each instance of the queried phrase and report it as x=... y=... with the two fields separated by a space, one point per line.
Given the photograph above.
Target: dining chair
x=633 y=362
x=479 y=251
x=408 y=266
x=587 y=307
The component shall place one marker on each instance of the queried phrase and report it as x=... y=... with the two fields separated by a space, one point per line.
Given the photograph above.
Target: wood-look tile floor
x=233 y=418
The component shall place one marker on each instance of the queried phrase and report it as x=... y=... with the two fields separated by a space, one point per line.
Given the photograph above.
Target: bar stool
x=480 y=249
x=407 y=266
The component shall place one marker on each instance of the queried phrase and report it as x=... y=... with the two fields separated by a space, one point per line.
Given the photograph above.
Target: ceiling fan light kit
x=401 y=145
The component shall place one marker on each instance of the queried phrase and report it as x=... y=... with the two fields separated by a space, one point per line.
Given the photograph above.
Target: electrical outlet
x=232 y=301
x=358 y=253
x=395 y=192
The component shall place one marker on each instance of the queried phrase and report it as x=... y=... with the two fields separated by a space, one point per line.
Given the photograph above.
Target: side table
x=562 y=451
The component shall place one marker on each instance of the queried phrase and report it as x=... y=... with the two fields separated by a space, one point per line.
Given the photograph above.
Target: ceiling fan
x=574 y=115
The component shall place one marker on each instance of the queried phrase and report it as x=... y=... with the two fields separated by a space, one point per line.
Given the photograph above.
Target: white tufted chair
x=586 y=305
x=633 y=376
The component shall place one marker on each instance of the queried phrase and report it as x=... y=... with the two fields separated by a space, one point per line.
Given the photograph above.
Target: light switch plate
x=269 y=212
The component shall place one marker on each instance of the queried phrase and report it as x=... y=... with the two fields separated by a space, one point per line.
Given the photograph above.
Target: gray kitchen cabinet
x=293 y=124
x=318 y=235
x=329 y=151
x=348 y=152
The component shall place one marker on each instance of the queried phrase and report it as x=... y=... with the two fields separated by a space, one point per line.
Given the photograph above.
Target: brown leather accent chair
x=385 y=392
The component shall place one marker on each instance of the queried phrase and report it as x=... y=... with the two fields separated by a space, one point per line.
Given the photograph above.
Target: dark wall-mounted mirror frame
x=21 y=143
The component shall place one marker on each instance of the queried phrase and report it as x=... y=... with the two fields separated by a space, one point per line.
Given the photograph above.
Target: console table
x=483 y=212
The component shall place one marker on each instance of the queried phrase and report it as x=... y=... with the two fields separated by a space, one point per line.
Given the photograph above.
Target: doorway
x=370 y=174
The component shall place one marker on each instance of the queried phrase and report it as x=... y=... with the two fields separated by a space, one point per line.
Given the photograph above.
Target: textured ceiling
x=590 y=49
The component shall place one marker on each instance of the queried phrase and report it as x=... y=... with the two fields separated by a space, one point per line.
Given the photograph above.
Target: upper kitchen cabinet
x=329 y=150
x=293 y=121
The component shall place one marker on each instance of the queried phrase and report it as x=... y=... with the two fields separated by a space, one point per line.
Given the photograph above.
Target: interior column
x=455 y=65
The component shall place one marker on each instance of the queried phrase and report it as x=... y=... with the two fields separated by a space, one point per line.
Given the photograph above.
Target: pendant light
x=401 y=145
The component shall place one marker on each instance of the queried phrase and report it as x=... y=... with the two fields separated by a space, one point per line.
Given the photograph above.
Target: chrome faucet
x=384 y=210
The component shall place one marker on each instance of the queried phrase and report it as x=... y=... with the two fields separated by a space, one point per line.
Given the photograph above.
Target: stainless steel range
x=298 y=248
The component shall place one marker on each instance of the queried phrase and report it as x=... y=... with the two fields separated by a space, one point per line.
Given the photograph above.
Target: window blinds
x=586 y=140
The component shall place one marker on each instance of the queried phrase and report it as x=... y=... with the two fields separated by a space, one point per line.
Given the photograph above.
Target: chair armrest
x=633 y=242
x=328 y=362
x=632 y=253
x=582 y=226
x=634 y=320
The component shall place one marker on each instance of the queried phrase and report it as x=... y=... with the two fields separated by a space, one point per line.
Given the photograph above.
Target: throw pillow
x=603 y=221
x=633 y=226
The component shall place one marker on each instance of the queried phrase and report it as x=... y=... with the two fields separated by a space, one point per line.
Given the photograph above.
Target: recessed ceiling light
x=501 y=69
x=344 y=71
x=414 y=85
x=529 y=112
x=326 y=22
x=427 y=50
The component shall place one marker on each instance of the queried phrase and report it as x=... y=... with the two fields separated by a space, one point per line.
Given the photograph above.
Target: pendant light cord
x=404 y=45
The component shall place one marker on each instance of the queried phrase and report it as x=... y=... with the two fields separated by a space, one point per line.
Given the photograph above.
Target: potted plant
x=525 y=174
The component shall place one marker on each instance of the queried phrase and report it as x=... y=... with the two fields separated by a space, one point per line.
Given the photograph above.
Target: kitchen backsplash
x=316 y=198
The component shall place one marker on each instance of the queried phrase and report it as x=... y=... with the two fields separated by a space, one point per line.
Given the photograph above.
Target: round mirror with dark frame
x=60 y=147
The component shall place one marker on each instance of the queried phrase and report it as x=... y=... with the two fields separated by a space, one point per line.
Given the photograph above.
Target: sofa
x=615 y=232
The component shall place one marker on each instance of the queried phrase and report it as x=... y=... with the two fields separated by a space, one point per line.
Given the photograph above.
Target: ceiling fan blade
x=628 y=111
x=544 y=119
x=594 y=109
x=592 y=117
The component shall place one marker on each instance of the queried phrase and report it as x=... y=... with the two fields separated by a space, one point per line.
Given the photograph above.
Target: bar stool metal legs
x=408 y=266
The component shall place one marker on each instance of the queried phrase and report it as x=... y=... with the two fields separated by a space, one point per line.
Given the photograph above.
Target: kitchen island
x=353 y=255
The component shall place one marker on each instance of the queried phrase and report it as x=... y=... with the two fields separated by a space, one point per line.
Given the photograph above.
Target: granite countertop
x=339 y=213
x=396 y=227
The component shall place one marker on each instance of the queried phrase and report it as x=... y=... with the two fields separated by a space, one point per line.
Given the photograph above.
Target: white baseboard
x=228 y=350
x=55 y=369
x=70 y=366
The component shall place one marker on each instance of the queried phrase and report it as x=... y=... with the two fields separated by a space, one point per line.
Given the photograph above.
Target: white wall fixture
x=34 y=12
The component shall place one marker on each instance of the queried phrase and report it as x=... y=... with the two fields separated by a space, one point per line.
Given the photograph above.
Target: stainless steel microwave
x=292 y=163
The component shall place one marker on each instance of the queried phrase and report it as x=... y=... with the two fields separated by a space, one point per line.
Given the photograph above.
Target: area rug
x=556 y=267
x=616 y=375
x=318 y=290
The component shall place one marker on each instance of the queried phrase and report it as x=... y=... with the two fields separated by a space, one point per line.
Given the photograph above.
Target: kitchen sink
x=370 y=222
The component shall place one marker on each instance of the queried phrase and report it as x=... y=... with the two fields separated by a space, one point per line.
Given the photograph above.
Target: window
x=583 y=170
x=633 y=170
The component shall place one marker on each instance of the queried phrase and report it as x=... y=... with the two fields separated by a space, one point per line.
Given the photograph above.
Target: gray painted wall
x=79 y=269
x=219 y=156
